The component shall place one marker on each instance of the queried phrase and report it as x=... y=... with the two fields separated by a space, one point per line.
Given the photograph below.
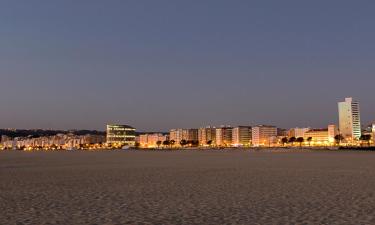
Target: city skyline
x=161 y=65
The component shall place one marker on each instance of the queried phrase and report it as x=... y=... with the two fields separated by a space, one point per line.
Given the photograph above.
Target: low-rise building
x=59 y=141
x=322 y=137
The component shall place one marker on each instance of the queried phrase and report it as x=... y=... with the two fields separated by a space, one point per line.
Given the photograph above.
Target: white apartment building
x=263 y=135
x=349 y=119
x=207 y=134
x=224 y=136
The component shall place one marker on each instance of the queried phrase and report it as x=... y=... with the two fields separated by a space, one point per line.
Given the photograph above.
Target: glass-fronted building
x=120 y=135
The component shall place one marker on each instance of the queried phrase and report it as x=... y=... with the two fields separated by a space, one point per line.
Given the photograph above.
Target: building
x=120 y=135
x=241 y=136
x=373 y=132
x=224 y=136
x=297 y=132
x=264 y=135
x=349 y=119
x=151 y=140
x=282 y=132
x=59 y=141
x=178 y=135
x=332 y=132
x=175 y=135
x=322 y=137
x=190 y=134
x=207 y=135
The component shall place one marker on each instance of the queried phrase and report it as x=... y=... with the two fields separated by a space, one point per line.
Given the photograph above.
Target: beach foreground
x=187 y=187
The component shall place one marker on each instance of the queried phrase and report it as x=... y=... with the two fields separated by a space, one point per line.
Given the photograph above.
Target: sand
x=187 y=187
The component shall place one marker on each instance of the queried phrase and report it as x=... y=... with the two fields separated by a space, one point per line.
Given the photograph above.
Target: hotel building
x=263 y=135
x=349 y=119
x=224 y=136
x=120 y=135
x=207 y=134
x=241 y=136
x=322 y=136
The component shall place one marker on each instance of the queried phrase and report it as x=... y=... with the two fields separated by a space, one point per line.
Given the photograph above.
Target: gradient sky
x=163 y=64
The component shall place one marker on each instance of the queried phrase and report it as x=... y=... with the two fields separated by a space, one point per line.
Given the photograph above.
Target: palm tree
x=158 y=143
x=309 y=139
x=195 y=143
x=172 y=142
x=300 y=140
x=183 y=143
x=284 y=140
x=366 y=138
x=339 y=138
x=166 y=143
x=292 y=140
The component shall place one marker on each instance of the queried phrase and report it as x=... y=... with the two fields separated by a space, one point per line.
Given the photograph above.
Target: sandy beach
x=187 y=187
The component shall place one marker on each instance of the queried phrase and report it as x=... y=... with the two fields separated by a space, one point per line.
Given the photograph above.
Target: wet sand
x=187 y=187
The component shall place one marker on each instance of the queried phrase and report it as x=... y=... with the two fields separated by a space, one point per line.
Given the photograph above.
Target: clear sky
x=163 y=64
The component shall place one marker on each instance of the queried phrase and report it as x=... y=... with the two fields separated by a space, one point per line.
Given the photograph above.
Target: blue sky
x=162 y=64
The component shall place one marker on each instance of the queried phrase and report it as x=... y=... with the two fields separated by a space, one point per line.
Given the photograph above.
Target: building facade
x=178 y=135
x=323 y=137
x=264 y=135
x=241 y=136
x=349 y=119
x=151 y=140
x=207 y=135
x=120 y=135
x=224 y=136
x=297 y=132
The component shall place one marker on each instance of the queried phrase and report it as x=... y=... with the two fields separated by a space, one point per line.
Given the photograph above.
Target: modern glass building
x=120 y=135
x=349 y=119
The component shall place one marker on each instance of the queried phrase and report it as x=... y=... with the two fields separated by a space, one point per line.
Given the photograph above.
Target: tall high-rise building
x=263 y=135
x=224 y=136
x=349 y=119
x=241 y=136
x=207 y=135
x=121 y=135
